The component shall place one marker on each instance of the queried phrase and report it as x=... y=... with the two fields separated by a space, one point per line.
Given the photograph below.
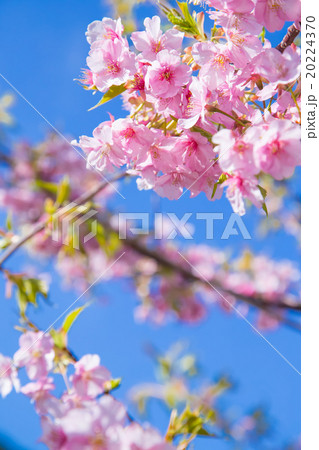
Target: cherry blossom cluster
x=163 y=294
x=85 y=416
x=35 y=172
x=221 y=111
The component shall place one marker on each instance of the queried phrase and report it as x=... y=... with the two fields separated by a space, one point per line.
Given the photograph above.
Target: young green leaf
x=113 y=92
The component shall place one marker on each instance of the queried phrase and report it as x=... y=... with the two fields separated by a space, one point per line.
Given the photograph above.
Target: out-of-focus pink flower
x=167 y=75
x=8 y=376
x=137 y=438
x=39 y=392
x=111 y=63
x=95 y=424
x=36 y=354
x=151 y=41
x=90 y=377
x=53 y=435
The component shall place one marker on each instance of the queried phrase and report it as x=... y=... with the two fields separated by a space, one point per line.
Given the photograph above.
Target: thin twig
x=41 y=225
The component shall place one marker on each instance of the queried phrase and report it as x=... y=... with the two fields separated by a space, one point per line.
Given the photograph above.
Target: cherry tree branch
x=139 y=247
x=292 y=33
x=5 y=159
x=253 y=300
x=41 y=225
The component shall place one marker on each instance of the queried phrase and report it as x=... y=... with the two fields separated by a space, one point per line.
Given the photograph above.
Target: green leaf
x=262 y=35
x=263 y=191
x=70 y=318
x=28 y=290
x=264 y=194
x=9 y=222
x=113 y=92
x=58 y=338
x=220 y=181
x=47 y=186
x=203 y=132
x=112 y=384
x=264 y=207
x=183 y=20
x=63 y=191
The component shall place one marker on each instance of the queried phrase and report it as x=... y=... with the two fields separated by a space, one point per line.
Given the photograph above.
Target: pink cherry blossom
x=8 y=376
x=195 y=150
x=90 y=377
x=277 y=149
x=53 y=435
x=242 y=48
x=274 y=13
x=102 y=152
x=134 y=138
x=205 y=181
x=111 y=63
x=196 y=108
x=235 y=152
x=239 y=188
x=36 y=354
x=240 y=22
x=238 y=6
x=137 y=438
x=151 y=41
x=277 y=67
x=167 y=74
x=215 y=62
x=104 y=29
x=39 y=392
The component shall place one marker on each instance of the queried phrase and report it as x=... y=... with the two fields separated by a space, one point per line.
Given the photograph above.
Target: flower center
x=105 y=150
x=128 y=133
x=110 y=34
x=176 y=179
x=112 y=67
x=236 y=39
x=275 y=4
x=154 y=151
x=275 y=147
x=156 y=46
x=191 y=147
x=240 y=146
x=166 y=74
x=220 y=60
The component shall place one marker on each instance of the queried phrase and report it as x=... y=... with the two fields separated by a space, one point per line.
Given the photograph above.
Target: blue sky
x=43 y=48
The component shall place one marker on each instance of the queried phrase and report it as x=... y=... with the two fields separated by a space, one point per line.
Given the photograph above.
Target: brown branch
x=6 y=159
x=288 y=39
x=142 y=249
x=256 y=301
x=41 y=225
